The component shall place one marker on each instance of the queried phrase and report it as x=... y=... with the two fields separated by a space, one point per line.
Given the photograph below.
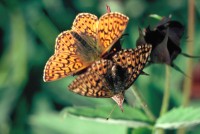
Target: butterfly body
x=116 y=78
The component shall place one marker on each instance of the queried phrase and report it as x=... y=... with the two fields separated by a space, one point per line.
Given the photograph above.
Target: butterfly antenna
x=111 y=112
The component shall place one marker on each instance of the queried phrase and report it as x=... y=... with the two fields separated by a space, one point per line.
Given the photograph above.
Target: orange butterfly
x=87 y=41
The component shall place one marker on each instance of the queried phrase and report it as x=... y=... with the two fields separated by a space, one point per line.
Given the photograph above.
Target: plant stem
x=190 y=49
x=187 y=82
x=166 y=97
x=143 y=103
x=165 y=101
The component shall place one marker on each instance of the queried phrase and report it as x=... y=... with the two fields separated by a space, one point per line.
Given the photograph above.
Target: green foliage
x=128 y=114
x=52 y=123
x=179 y=117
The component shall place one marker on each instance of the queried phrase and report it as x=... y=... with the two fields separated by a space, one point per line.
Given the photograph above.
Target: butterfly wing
x=92 y=83
x=66 y=61
x=133 y=60
x=86 y=24
x=110 y=28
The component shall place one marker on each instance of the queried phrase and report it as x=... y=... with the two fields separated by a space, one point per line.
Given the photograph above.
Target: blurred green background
x=28 y=29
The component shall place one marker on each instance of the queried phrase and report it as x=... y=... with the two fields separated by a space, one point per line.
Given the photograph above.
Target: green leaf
x=179 y=117
x=54 y=123
x=131 y=117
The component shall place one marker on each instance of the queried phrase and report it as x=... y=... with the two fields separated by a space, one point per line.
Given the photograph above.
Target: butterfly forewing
x=110 y=28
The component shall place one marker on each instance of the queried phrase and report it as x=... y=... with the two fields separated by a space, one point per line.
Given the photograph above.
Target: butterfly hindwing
x=93 y=82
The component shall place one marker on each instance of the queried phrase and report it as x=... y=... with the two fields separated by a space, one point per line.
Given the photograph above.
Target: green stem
x=190 y=48
x=166 y=97
x=143 y=103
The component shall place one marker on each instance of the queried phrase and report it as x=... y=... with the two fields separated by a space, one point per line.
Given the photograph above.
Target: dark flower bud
x=165 y=39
